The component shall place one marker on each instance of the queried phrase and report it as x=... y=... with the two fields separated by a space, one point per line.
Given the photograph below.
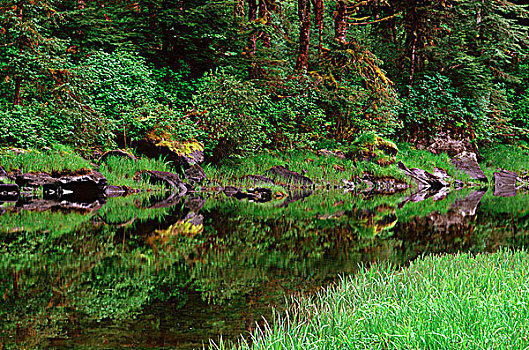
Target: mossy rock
x=182 y=153
x=371 y=147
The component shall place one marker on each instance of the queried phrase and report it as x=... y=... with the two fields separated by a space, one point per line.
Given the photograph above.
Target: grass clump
x=507 y=157
x=320 y=169
x=122 y=171
x=438 y=302
x=58 y=158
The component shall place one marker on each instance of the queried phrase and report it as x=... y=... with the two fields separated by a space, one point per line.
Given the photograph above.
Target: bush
x=297 y=121
x=231 y=113
x=432 y=106
x=33 y=126
x=115 y=81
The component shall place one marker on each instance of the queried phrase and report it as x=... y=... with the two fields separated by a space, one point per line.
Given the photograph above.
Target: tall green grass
x=121 y=171
x=58 y=158
x=508 y=157
x=320 y=169
x=438 y=302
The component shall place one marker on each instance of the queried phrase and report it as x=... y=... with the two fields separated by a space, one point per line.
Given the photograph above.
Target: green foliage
x=297 y=122
x=232 y=113
x=435 y=105
x=116 y=81
x=441 y=302
x=59 y=158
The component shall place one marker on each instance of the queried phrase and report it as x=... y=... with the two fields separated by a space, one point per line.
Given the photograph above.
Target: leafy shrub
x=231 y=113
x=175 y=88
x=33 y=126
x=125 y=92
x=434 y=105
x=114 y=81
x=297 y=121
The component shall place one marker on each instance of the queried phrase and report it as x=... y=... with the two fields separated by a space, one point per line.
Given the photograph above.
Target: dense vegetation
x=439 y=302
x=240 y=76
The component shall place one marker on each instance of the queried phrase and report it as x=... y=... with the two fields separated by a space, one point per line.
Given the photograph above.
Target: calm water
x=134 y=272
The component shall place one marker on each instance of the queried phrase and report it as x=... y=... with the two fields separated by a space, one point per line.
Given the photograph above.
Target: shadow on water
x=175 y=272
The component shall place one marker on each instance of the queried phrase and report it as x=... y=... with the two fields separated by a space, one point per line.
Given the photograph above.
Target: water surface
x=138 y=271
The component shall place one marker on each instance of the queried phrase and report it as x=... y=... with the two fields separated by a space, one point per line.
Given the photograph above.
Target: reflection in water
x=140 y=271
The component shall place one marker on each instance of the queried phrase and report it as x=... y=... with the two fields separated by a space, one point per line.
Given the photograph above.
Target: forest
x=246 y=75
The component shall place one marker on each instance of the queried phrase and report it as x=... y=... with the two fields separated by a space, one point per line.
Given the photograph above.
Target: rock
x=195 y=203
x=295 y=195
x=117 y=153
x=505 y=183
x=181 y=154
x=467 y=162
x=371 y=147
x=195 y=174
x=423 y=178
x=230 y=191
x=425 y=193
x=9 y=192
x=59 y=204
x=84 y=188
x=460 y=213
x=281 y=175
x=36 y=180
x=327 y=153
x=445 y=144
x=259 y=194
x=441 y=173
x=115 y=191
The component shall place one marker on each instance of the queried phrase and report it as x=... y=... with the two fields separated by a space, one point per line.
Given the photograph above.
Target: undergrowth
x=443 y=302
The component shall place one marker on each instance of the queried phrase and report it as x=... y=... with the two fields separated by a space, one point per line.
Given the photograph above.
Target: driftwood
x=117 y=153
x=505 y=183
x=423 y=178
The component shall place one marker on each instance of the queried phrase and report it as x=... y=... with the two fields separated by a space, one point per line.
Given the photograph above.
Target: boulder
x=9 y=192
x=445 y=144
x=424 y=178
x=327 y=153
x=467 y=162
x=295 y=195
x=181 y=154
x=195 y=174
x=195 y=203
x=115 y=191
x=281 y=175
x=44 y=180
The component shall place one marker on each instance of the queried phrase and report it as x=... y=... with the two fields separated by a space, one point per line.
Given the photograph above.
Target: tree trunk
x=252 y=16
x=264 y=13
x=238 y=11
x=18 y=79
x=304 y=34
x=416 y=25
x=340 y=22
x=318 y=19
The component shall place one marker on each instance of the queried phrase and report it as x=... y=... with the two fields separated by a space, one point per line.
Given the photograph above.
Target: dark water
x=139 y=272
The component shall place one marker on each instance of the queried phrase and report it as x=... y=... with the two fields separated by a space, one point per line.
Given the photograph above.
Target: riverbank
x=441 y=302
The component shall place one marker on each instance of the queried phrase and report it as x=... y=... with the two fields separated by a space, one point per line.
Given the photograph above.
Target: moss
x=371 y=147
